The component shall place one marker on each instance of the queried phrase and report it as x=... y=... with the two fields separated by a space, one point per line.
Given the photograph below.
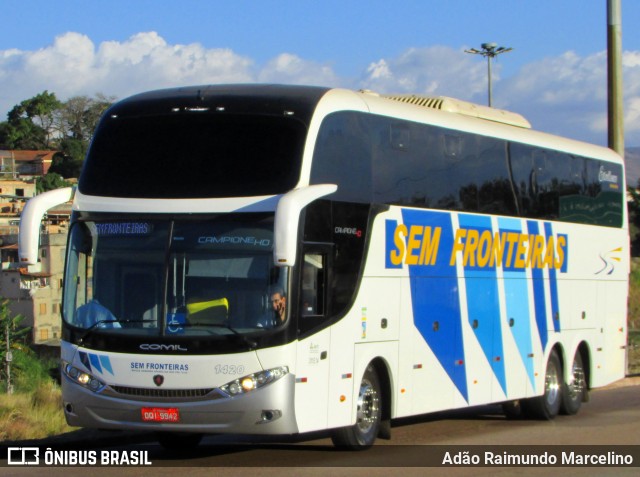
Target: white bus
x=277 y=260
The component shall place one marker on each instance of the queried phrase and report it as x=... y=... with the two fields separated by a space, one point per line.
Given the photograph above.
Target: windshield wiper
x=235 y=333
x=98 y=324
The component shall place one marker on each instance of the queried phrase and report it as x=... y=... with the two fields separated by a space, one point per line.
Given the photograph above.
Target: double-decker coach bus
x=262 y=259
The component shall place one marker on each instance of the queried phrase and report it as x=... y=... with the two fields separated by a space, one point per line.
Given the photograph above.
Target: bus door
x=312 y=366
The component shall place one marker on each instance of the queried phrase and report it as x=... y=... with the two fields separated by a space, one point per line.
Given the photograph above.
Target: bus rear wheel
x=547 y=406
x=574 y=392
x=363 y=433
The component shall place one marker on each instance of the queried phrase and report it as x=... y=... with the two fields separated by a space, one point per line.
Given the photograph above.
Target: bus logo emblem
x=158 y=379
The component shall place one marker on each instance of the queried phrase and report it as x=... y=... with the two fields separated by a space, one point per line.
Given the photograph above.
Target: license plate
x=160 y=414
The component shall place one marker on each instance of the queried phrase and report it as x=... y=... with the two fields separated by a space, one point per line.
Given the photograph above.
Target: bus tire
x=547 y=406
x=178 y=441
x=574 y=392
x=363 y=433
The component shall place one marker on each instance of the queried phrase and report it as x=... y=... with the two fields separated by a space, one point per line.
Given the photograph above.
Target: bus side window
x=312 y=298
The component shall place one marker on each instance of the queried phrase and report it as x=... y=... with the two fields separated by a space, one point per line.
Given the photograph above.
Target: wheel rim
x=368 y=407
x=552 y=385
x=576 y=386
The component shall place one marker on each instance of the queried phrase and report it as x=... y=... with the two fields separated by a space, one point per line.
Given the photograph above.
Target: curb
x=633 y=380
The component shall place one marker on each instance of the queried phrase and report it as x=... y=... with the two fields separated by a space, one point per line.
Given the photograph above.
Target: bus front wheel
x=363 y=433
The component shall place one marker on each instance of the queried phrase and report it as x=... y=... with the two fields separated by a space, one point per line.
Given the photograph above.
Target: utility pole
x=489 y=51
x=614 y=76
x=8 y=358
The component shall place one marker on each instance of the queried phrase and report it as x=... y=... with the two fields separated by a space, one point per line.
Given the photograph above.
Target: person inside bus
x=93 y=313
x=277 y=315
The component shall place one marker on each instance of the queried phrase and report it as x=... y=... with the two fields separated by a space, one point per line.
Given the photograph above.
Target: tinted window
x=194 y=155
x=560 y=186
x=342 y=156
x=391 y=161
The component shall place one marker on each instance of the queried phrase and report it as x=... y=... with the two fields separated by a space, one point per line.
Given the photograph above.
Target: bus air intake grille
x=167 y=393
x=452 y=105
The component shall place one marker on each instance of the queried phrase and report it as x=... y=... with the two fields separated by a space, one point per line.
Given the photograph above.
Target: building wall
x=38 y=295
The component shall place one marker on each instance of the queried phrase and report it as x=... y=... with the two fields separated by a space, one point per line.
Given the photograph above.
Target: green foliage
x=21 y=133
x=50 y=181
x=17 y=337
x=68 y=162
x=32 y=121
x=634 y=219
x=29 y=371
x=44 y=122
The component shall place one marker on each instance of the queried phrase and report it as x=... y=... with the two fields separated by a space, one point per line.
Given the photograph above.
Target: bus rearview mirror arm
x=30 y=219
x=287 y=218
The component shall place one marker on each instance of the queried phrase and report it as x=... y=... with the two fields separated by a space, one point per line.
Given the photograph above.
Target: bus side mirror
x=287 y=219
x=34 y=210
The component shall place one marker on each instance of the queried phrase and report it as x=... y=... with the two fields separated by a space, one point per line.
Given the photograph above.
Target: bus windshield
x=168 y=277
x=200 y=155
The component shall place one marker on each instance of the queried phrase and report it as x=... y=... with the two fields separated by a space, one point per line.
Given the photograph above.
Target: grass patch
x=633 y=355
x=34 y=410
x=33 y=415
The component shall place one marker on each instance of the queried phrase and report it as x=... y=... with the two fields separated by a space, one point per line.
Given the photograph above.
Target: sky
x=555 y=75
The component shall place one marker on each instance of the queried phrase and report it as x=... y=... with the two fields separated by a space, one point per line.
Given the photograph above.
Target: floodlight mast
x=489 y=51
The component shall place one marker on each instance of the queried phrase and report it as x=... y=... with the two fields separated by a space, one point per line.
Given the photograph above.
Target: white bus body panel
x=582 y=300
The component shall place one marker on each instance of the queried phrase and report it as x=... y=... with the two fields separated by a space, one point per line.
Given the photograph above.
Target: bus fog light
x=269 y=415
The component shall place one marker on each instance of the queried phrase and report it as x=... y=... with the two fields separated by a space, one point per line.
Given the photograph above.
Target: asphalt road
x=611 y=418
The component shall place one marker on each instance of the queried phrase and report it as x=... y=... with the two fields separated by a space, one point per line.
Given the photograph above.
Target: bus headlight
x=82 y=378
x=254 y=381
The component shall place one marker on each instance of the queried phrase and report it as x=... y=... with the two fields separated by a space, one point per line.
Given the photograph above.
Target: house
x=35 y=292
x=25 y=164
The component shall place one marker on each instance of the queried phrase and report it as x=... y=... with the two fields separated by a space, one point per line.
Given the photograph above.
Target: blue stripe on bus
x=539 y=299
x=84 y=359
x=106 y=363
x=483 y=304
x=516 y=292
x=553 y=285
x=436 y=299
x=95 y=362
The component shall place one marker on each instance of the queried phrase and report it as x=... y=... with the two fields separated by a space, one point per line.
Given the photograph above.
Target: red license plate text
x=160 y=414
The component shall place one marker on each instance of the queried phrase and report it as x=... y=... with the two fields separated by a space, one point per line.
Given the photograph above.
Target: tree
x=35 y=118
x=79 y=116
x=50 y=181
x=68 y=162
x=21 y=133
x=43 y=122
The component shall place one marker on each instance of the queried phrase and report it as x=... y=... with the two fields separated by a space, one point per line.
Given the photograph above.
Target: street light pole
x=489 y=51
x=614 y=76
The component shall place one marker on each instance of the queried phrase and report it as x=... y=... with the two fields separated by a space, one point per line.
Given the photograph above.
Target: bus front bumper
x=268 y=411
